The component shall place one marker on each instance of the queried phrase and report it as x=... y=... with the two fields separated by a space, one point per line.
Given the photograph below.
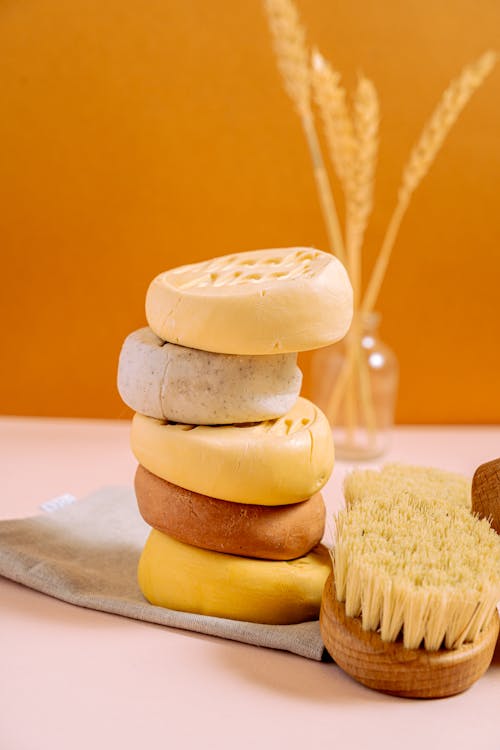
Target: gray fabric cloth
x=86 y=553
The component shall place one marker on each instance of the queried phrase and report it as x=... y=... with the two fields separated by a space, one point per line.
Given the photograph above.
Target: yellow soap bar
x=276 y=462
x=177 y=576
x=257 y=302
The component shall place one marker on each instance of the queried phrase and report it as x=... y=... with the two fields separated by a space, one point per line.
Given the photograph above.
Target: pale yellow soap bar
x=276 y=462
x=257 y=302
x=177 y=576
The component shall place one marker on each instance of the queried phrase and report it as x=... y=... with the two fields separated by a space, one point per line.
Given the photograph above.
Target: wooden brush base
x=392 y=668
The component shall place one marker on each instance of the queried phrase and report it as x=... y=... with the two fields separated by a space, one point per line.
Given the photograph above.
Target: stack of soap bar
x=231 y=459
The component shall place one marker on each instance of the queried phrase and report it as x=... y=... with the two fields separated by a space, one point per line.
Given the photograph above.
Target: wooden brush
x=486 y=492
x=410 y=608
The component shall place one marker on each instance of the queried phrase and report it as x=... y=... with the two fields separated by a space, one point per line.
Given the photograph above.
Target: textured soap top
x=257 y=302
x=246 y=270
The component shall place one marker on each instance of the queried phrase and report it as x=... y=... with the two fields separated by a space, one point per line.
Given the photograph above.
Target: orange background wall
x=139 y=135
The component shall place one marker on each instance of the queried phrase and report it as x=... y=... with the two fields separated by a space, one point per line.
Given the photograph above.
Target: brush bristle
x=425 y=568
x=421 y=481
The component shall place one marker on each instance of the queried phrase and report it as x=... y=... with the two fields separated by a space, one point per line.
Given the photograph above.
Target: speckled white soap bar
x=173 y=382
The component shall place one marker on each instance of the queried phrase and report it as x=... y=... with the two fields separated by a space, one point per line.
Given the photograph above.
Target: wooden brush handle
x=392 y=668
x=486 y=492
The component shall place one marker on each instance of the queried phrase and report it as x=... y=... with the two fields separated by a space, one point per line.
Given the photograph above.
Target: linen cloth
x=86 y=553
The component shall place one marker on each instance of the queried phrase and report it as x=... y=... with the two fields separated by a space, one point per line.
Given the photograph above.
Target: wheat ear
x=352 y=146
x=422 y=156
x=361 y=186
x=292 y=55
x=331 y=100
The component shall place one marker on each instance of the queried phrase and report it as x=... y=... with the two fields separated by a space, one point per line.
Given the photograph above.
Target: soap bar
x=276 y=462
x=177 y=576
x=167 y=381
x=281 y=532
x=257 y=302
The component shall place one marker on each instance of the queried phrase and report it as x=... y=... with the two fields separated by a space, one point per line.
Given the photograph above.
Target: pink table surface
x=72 y=678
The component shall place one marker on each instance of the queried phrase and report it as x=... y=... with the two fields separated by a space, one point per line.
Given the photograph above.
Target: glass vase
x=355 y=383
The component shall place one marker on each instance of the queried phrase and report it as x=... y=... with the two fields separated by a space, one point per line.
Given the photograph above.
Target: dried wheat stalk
x=361 y=187
x=352 y=145
x=293 y=61
x=289 y=39
x=422 y=156
x=331 y=100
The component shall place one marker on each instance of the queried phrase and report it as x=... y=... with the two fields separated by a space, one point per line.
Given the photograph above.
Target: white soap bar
x=167 y=381
x=257 y=302
x=276 y=462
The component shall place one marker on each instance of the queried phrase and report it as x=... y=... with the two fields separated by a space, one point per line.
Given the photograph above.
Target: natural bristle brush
x=410 y=608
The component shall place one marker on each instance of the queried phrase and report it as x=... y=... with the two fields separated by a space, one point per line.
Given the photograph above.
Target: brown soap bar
x=270 y=532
